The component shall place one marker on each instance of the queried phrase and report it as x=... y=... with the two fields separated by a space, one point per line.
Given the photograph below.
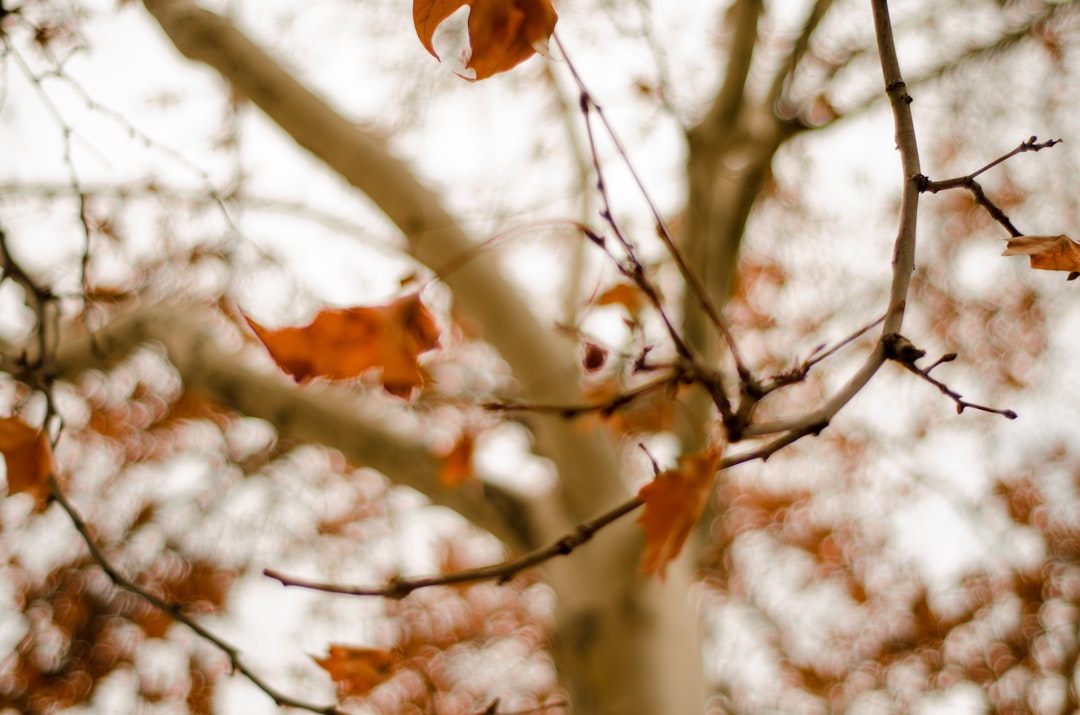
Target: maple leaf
x=341 y=344
x=29 y=459
x=1048 y=253
x=357 y=670
x=673 y=502
x=502 y=33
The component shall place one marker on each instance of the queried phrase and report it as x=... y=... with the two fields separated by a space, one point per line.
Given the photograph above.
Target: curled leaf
x=1048 y=253
x=673 y=503
x=502 y=33
x=341 y=344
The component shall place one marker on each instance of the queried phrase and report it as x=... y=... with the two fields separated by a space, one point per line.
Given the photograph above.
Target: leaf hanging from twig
x=673 y=502
x=1048 y=253
x=502 y=33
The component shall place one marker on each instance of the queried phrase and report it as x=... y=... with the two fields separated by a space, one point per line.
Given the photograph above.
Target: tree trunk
x=622 y=645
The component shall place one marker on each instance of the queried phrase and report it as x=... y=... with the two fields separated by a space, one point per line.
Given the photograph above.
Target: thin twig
x=786 y=72
x=632 y=268
x=800 y=371
x=503 y=572
x=903 y=264
x=691 y=279
x=175 y=612
x=1032 y=144
x=968 y=182
x=663 y=75
x=475 y=251
x=66 y=134
x=582 y=167
x=901 y=350
x=604 y=408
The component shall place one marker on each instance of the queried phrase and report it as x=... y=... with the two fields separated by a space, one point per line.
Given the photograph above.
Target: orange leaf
x=1049 y=253
x=626 y=295
x=341 y=344
x=29 y=459
x=502 y=33
x=673 y=503
x=457 y=466
x=357 y=670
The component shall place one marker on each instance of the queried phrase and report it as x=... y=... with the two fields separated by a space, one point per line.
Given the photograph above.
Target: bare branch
x=798 y=48
x=321 y=415
x=175 y=612
x=744 y=15
x=1009 y=39
x=901 y=350
x=968 y=182
x=605 y=408
x=501 y=573
x=635 y=271
x=539 y=360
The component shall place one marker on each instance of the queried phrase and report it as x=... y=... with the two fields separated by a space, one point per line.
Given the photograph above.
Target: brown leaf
x=357 y=670
x=1048 y=253
x=624 y=294
x=502 y=33
x=594 y=357
x=457 y=465
x=673 y=503
x=29 y=459
x=341 y=344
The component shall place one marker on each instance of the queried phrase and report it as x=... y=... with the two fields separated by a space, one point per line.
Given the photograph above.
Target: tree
x=167 y=462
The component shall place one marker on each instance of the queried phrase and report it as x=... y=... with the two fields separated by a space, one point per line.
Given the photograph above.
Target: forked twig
x=901 y=350
x=635 y=271
x=968 y=182
x=820 y=354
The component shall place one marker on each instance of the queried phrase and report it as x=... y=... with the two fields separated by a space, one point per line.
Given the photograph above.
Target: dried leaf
x=624 y=294
x=29 y=459
x=673 y=503
x=341 y=344
x=652 y=412
x=502 y=33
x=457 y=465
x=357 y=670
x=1048 y=253
x=594 y=358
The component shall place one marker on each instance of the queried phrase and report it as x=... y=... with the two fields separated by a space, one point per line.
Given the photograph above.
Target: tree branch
x=968 y=182
x=900 y=100
x=901 y=350
x=175 y=612
x=790 y=64
x=543 y=363
x=318 y=414
x=501 y=572
x=744 y=16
